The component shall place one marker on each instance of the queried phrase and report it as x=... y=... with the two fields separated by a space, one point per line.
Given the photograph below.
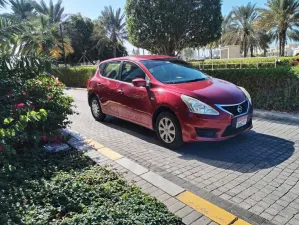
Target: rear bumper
x=196 y=128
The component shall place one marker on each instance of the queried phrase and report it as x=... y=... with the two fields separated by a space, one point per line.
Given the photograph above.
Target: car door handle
x=119 y=91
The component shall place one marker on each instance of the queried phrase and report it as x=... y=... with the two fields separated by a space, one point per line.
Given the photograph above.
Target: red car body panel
x=139 y=104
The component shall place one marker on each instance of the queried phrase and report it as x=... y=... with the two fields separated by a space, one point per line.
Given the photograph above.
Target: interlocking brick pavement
x=257 y=171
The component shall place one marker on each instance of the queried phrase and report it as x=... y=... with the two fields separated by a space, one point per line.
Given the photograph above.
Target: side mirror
x=139 y=82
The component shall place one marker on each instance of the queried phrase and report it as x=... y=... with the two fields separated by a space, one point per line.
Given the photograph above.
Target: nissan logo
x=239 y=109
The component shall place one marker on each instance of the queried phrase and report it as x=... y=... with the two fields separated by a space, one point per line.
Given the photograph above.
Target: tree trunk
x=211 y=53
x=251 y=50
x=265 y=52
x=114 y=49
x=280 y=43
x=283 y=42
x=245 y=45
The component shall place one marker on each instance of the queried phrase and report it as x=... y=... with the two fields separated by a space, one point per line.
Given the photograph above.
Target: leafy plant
x=66 y=188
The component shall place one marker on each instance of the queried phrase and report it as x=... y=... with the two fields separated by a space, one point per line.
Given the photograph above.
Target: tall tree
x=41 y=37
x=2 y=3
x=112 y=26
x=80 y=31
x=281 y=19
x=167 y=27
x=241 y=29
x=54 y=11
x=21 y=8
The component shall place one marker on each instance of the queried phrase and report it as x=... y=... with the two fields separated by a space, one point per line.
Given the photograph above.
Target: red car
x=170 y=96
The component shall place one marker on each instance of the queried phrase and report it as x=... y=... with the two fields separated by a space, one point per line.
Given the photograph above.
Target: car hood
x=211 y=91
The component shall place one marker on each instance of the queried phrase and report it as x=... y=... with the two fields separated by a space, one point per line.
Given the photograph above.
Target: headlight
x=246 y=93
x=198 y=107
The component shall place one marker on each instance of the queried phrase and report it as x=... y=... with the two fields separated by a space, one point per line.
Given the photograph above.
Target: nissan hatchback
x=171 y=97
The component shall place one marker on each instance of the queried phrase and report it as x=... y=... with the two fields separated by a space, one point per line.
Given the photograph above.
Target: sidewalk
x=192 y=208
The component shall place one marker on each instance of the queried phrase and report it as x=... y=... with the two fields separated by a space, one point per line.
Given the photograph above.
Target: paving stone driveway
x=258 y=171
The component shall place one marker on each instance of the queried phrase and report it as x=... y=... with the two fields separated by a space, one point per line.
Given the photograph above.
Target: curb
x=277 y=116
x=190 y=207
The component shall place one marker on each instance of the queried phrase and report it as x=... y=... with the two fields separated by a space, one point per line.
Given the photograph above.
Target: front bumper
x=212 y=128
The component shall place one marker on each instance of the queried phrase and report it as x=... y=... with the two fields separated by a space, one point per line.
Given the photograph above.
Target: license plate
x=241 y=121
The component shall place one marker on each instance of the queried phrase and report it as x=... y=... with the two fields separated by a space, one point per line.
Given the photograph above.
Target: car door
x=136 y=105
x=108 y=86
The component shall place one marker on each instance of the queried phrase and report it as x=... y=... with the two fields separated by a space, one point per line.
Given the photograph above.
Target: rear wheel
x=96 y=109
x=168 y=130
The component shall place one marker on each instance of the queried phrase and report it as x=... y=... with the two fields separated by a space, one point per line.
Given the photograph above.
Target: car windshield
x=173 y=71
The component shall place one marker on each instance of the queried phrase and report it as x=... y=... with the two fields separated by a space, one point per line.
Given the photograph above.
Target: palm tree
x=22 y=8
x=2 y=3
x=281 y=19
x=41 y=37
x=112 y=26
x=54 y=11
x=241 y=27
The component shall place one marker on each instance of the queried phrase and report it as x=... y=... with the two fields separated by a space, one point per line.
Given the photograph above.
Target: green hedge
x=245 y=63
x=75 y=76
x=271 y=89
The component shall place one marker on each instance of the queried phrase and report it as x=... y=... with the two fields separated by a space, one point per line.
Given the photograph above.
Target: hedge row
x=75 y=76
x=245 y=63
x=270 y=88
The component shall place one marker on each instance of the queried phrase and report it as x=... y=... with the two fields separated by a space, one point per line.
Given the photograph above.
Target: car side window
x=131 y=71
x=111 y=70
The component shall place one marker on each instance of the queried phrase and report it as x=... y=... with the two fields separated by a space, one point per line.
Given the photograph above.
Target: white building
x=230 y=52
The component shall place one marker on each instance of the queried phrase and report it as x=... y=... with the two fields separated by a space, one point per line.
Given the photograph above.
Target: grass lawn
x=68 y=188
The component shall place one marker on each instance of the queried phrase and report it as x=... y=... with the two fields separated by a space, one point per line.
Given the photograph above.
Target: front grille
x=208 y=133
x=233 y=109
x=231 y=130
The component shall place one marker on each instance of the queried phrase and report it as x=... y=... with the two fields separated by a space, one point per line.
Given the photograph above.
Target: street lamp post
x=63 y=49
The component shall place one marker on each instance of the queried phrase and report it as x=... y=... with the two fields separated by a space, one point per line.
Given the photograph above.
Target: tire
x=172 y=135
x=96 y=109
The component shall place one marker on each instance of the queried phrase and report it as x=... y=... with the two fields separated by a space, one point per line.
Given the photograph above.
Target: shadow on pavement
x=246 y=153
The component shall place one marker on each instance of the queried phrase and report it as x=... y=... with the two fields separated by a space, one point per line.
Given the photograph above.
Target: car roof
x=141 y=57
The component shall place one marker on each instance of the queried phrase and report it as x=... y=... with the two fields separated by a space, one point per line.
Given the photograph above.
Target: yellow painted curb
x=241 y=222
x=109 y=153
x=206 y=208
x=94 y=144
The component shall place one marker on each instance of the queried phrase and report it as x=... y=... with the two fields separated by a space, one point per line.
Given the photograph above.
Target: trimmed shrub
x=75 y=76
x=251 y=63
x=271 y=89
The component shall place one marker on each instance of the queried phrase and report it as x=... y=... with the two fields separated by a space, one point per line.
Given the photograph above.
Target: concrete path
x=254 y=175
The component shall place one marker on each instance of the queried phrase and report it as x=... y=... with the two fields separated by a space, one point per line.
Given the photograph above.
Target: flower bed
x=67 y=188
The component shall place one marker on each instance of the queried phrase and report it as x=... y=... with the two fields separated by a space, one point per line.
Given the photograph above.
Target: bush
x=271 y=89
x=67 y=188
x=75 y=76
x=30 y=107
x=245 y=63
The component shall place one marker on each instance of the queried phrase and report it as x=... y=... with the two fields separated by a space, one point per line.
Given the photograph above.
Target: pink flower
x=44 y=137
x=49 y=97
x=48 y=85
x=58 y=83
x=24 y=93
x=20 y=105
x=33 y=107
x=1 y=148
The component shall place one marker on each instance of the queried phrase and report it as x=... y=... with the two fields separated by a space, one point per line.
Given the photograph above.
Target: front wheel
x=96 y=110
x=169 y=130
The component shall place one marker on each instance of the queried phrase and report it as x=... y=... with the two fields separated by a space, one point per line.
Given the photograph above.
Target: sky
x=93 y=8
